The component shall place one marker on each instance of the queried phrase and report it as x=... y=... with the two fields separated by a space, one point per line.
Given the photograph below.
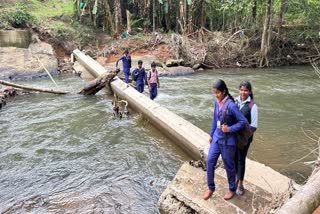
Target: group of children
x=151 y=78
x=230 y=116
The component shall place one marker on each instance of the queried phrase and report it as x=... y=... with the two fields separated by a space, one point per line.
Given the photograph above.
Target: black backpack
x=135 y=75
x=243 y=135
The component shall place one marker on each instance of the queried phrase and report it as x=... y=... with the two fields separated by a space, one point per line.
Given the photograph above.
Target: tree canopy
x=183 y=16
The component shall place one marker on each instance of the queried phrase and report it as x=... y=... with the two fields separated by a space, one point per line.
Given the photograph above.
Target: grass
x=51 y=8
x=55 y=15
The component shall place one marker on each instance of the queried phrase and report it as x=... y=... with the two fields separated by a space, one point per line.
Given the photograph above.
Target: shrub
x=20 y=17
x=17 y=17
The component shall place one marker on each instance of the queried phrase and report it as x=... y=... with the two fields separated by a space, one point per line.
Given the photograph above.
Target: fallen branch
x=30 y=88
x=99 y=83
x=239 y=31
x=47 y=72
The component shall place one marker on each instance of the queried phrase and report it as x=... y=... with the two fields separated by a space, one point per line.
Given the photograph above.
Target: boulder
x=22 y=63
x=196 y=66
x=158 y=64
x=174 y=62
x=176 y=71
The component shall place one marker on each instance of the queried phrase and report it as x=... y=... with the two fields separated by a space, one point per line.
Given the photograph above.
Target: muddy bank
x=205 y=49
x=174 y=54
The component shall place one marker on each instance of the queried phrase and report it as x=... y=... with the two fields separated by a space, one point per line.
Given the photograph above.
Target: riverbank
x=168 y=51
x=55 y=23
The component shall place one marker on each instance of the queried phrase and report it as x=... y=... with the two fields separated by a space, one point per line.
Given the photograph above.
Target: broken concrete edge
x=186 y=135
x=171 y=201
x=185 y=193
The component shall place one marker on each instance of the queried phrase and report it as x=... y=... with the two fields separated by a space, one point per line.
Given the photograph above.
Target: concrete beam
x=189 y=137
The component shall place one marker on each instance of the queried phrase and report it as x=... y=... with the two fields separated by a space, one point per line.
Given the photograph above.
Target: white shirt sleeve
x=254 y=116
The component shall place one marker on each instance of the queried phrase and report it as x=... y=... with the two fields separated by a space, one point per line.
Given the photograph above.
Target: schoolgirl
x=227 y=119
x=249 y=109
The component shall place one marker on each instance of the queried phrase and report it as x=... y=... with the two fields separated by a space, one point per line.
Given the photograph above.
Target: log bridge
x=184 y=193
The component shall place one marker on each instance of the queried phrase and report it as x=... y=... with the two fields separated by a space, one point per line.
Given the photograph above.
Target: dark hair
x=153 y=64
x=126 y=51
x=140 y=62
x=221 y=86
x=247 y=84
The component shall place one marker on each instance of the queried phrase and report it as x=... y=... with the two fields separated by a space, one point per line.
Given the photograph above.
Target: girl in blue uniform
x=249 y=109
x=126 y=63
x=227 y=119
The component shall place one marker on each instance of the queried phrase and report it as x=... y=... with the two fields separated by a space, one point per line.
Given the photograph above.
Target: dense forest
x=185 y=16
x=268 y=19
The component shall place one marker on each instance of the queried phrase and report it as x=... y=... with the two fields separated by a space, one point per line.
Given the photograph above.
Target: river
x=67 y=154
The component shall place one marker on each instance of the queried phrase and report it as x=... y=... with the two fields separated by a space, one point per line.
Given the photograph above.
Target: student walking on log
x=138 y=75
x=126 y=64
x=227 y=120
x=153 y=81
x=249 y=109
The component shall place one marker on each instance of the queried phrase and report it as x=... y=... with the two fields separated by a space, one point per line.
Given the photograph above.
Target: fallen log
x=30 y=88
x=306 y=200
x=99 y=83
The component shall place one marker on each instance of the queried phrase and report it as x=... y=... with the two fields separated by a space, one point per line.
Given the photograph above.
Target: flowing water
x=288 y=102
x=67 y=154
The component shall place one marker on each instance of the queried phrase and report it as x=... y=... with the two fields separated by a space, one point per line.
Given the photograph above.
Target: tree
x=117 y=16
x=254 y=11
x=203 y=13
x=282 y=9
x=266 y=35
x=190 y=16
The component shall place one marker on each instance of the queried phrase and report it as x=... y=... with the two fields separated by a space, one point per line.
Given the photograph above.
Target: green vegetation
x=51 y=8
x=263 y=27
x=55 y=15
x=189 y=15
x=17 y=16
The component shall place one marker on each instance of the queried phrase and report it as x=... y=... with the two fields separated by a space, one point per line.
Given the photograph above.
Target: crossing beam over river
x=189 y=183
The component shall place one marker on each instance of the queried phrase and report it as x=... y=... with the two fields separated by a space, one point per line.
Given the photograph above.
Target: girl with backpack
x=126 y=63
x=227 y=120
x=249 y=109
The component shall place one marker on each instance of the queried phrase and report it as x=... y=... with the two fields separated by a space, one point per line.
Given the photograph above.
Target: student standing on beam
x=249 y=109
x=126 y=64
x=153 y=81
x=138 y=75
x=227 y=120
